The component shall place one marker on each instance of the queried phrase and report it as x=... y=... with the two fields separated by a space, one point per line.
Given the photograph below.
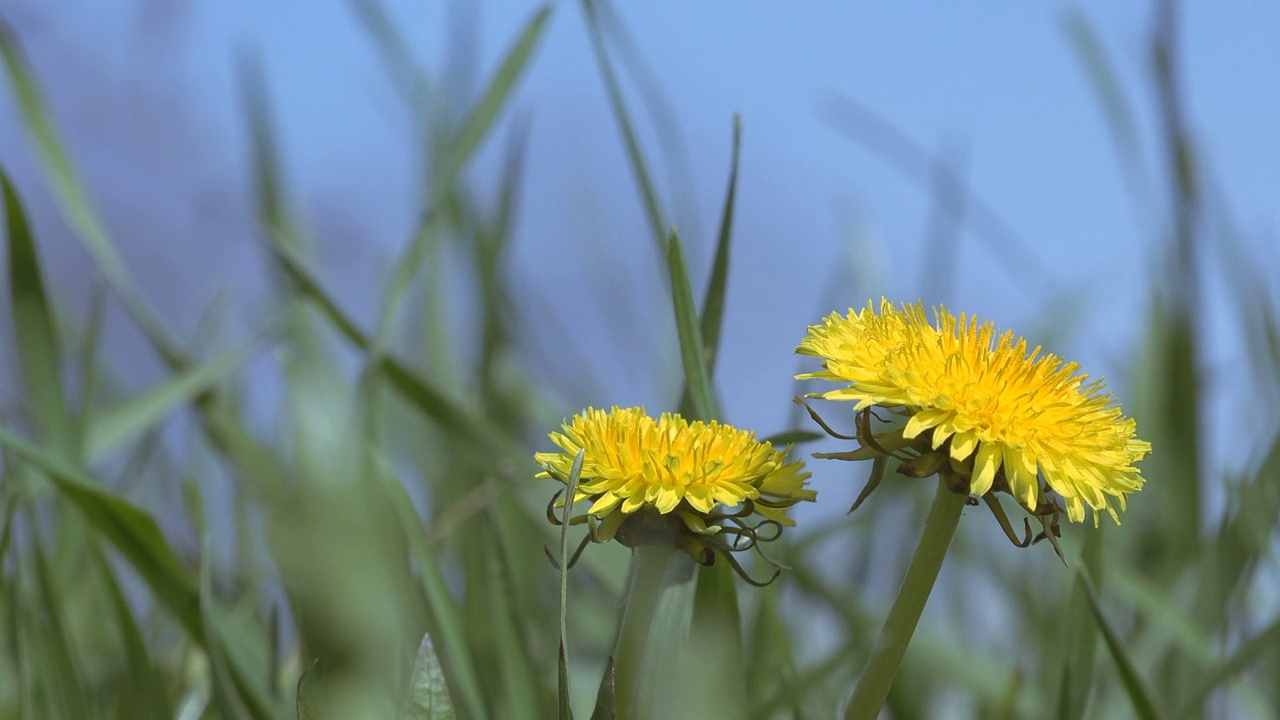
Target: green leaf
x=1144 y=705
x=428 y=693
x=37 y=343
x=75 y=201
x=701 y=395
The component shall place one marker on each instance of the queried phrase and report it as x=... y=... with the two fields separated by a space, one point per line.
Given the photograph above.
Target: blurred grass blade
x=1119 y=117
x=623 y=118
x=428 y=692
x=145 y=686
x=75 y=202
x=136 y=415
x=606 y=708
x=68 y=679
x=1135 y=687
x=575 y=472
x=432 y=401
x=33 y=324
x=715 y=646
x=474 y=129
x=133 y=532
x=449 y=625
x=701 y=395
x=1268 y=640
x=713 y=301
x=1076 y=683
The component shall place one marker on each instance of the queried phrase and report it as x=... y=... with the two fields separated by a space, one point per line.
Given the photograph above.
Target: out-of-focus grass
x=393 y=501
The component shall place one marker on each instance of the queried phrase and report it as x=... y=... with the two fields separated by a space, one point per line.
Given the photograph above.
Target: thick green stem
x=649 y=565
x=891 y=645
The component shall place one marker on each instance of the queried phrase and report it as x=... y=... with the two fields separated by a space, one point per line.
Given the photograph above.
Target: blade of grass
x=459 y=665
x=606 y=706
x=474 y=129
x=1139 y=693
x=1246 y=656
x=68 y=679
x=575 y=473
x=147 y=700
x=130 y=529
x=623 y=118
x=713 y=300
x=138 y=414
x=75 y=201
x=701 y=394
x=38 y=352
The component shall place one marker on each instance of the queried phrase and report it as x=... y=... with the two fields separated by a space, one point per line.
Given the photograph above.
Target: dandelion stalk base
x=891 y=645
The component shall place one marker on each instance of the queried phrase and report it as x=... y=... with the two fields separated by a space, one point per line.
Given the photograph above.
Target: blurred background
x=1103 y=179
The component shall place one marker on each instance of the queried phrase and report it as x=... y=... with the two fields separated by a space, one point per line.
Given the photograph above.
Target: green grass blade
x=623 y=118
x=1115 y=108
x=474 y=129
x=459 y=665
x=68 y=680
x=606 y=707
x=74 y=200
x=713 y=301
x=136 y=415
x=145 y=686
x=38 y=351
x=133 y=532
x=1144 y=705
x=575 y=473
x=428 y=692
x=697 y=378
x=1245 y=657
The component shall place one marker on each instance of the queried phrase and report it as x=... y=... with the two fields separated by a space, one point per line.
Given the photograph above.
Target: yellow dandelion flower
x=1006 y=416
x=663 y=480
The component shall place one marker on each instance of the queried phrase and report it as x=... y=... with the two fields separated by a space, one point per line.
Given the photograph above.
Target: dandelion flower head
x=1006 y=416
x=669 y=473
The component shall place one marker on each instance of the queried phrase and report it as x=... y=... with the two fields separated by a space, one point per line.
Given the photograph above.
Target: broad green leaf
x=428 y=692
x=33 y=324
x=701 y=395
x=1140 y=696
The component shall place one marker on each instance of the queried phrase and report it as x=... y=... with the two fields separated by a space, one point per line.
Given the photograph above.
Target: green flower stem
x=891 y=645
x=646 y=587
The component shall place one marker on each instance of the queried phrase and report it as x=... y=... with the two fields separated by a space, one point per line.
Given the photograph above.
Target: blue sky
x=146 y=93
